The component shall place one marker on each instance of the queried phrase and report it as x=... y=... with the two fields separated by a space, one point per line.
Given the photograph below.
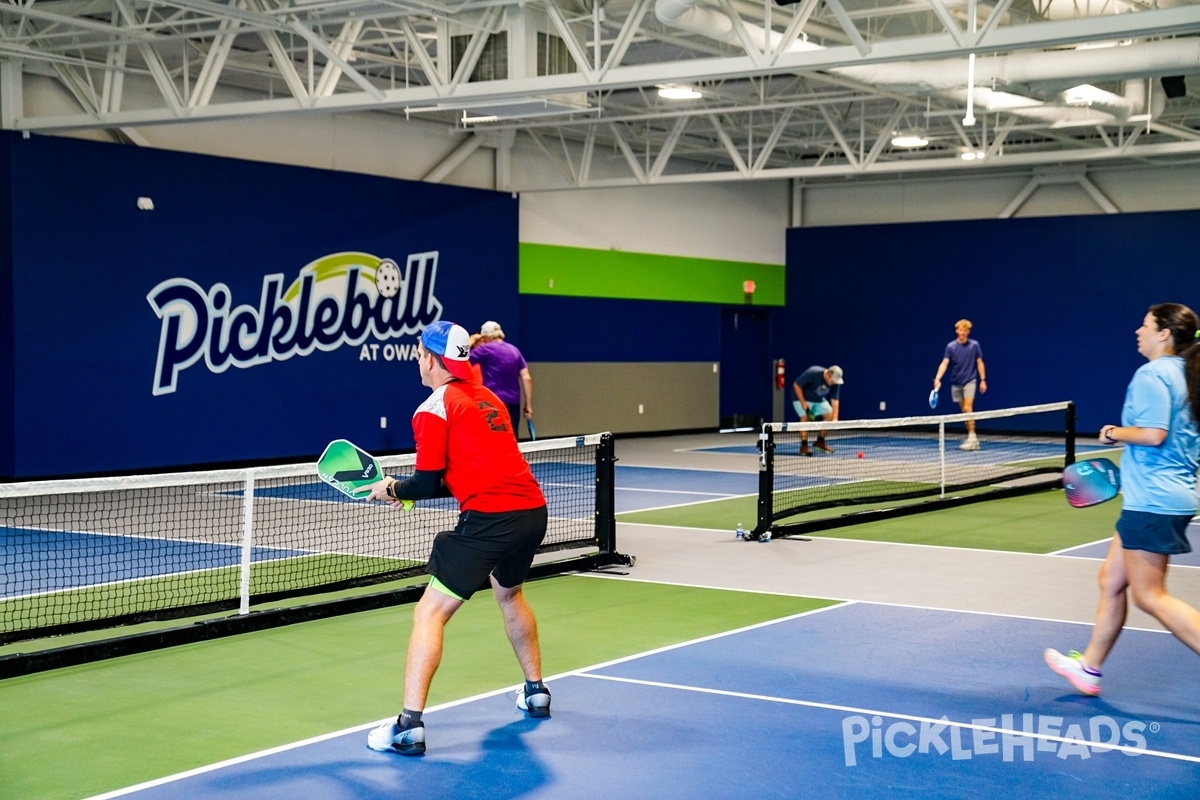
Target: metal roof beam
x=1155 y=22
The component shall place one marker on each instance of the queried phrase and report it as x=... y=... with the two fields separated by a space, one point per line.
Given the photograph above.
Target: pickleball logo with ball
x=338 y=299
x=387 y=278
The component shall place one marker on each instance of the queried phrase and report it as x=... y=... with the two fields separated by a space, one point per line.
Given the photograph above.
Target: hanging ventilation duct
x=526 y=46
x=948 y=77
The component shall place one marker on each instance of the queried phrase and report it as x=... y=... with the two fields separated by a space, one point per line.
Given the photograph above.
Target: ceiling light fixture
x=909 y=140
x=674 y=91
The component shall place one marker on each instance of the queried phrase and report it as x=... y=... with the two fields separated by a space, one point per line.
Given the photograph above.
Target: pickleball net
x=84 y=554
x=879 y=468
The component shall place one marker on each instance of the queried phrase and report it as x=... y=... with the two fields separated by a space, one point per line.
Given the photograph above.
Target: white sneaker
x=408 y=742
x=1071 y=667
x=971 y=443
x=536 y=705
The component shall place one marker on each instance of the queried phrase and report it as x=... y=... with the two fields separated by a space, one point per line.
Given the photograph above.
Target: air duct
x=948 y=76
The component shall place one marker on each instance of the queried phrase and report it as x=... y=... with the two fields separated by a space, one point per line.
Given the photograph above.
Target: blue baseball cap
x=453 y=344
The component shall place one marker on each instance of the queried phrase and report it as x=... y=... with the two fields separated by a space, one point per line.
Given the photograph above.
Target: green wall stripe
x=583 y=272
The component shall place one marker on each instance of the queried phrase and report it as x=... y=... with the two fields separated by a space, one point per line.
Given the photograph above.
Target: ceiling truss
x=812 y=90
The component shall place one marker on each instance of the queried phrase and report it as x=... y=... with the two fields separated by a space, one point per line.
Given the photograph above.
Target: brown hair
x=1184 y=326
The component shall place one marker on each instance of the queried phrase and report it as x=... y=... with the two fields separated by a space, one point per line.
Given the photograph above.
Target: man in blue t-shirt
x=964 y=358
x=818 y=391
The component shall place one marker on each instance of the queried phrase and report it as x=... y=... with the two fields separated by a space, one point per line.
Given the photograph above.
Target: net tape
x=931 y=419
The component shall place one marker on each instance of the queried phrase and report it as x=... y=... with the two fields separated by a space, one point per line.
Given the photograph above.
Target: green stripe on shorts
x=441 y=587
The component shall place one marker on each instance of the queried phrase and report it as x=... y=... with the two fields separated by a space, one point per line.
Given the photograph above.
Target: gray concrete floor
x=1039 y=586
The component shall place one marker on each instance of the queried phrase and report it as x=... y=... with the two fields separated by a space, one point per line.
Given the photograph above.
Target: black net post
x=1070 y=435
x=606 y=519
x=766 y=482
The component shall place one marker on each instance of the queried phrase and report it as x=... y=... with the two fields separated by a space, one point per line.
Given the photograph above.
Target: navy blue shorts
x=1155 y=533
x=482 y=544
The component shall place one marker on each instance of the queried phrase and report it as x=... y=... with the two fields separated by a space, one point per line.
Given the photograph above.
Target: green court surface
x=84 y=730
x=1034 y=523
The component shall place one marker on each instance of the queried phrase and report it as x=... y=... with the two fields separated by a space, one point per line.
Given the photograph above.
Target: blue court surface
x=1099 y=550
x=55 y=560
x=640 y=488
x=858 y=701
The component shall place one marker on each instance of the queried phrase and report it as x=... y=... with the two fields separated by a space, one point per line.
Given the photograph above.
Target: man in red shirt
x=465 y=441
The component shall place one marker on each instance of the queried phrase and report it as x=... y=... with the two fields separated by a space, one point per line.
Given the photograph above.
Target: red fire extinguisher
x=780 y=374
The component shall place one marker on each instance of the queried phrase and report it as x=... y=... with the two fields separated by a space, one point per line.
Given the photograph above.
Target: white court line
x=817 y=535
x=1128 y=749
x=583 y=672
x=681 y=491
x=685 y=505
x=842 y=602
x=1066 y=553
x=630 y=465
x=1066 y=550
x=483 y=695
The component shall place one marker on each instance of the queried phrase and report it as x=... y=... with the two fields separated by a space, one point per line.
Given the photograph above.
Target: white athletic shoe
x=971 y=443
x=1071 y=667
x=536 y=704
x=388 y=736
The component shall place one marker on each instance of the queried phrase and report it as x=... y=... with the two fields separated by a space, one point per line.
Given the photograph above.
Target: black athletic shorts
x=482 y=544
x=1165 y=534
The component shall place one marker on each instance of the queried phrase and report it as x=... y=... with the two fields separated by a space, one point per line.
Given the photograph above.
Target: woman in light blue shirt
x=1158 y=483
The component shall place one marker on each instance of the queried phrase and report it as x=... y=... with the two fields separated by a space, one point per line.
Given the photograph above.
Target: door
x=746 y=377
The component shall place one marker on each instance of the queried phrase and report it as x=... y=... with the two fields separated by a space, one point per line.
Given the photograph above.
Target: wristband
x=389 y=490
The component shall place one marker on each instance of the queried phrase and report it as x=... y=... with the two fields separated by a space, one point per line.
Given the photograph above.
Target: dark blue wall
x=6 y=317
x=1054 y=302
x=85 y=336
x=581 y=329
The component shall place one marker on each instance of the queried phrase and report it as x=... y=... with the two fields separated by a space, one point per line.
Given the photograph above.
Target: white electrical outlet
x=641 y=409
x=383 y=422
x=883 y=405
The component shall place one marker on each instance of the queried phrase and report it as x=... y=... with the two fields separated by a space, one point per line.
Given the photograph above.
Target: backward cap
x=453 y=344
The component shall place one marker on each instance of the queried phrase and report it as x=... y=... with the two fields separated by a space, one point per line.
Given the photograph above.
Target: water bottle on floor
x=741 y=532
